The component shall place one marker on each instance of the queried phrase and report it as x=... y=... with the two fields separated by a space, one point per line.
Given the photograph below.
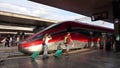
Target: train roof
x=82 y=25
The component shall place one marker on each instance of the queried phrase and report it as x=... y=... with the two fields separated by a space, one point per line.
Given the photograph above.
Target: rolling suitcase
x=58 y=53
x=34 y=55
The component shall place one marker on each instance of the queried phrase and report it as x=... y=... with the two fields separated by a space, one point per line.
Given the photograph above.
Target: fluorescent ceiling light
x=8 y=32
x=16 y=28
x=1 y=32
x=29 y=33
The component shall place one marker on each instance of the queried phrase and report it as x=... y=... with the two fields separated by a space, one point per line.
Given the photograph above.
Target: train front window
x=37 y=37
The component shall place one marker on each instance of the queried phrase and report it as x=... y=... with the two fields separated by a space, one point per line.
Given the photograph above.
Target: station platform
x=91 y=58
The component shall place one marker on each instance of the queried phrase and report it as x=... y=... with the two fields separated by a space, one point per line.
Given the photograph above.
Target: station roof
x=20 y=22
x=85 y=7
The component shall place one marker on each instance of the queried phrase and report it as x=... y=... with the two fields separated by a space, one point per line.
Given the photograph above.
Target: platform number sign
x=99 y=16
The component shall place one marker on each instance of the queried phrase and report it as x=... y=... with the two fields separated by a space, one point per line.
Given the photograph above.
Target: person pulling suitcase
x=45 y=40
x=67 y=41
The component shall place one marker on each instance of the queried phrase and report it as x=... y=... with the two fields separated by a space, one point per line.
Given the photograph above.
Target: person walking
x=67 y=41
x=7 y=41
x=45 y=40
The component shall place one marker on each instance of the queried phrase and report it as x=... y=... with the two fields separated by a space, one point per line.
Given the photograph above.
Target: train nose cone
x=20 y=48
x=23 y=50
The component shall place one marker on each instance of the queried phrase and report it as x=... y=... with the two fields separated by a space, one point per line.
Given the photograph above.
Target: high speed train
x=81 y=34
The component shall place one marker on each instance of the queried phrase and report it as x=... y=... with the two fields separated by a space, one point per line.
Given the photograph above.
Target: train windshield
x=36 y=37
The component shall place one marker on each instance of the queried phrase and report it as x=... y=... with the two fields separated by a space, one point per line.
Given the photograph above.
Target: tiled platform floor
x=89 y=59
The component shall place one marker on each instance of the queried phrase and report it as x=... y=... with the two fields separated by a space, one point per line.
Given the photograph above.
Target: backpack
x=65 y=40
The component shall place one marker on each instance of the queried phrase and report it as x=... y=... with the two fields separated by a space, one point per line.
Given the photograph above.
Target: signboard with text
x=99 y=16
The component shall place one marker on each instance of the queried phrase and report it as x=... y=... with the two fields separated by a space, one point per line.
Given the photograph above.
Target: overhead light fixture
x=8 y=32
x=16 y=28
x=2 y=32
